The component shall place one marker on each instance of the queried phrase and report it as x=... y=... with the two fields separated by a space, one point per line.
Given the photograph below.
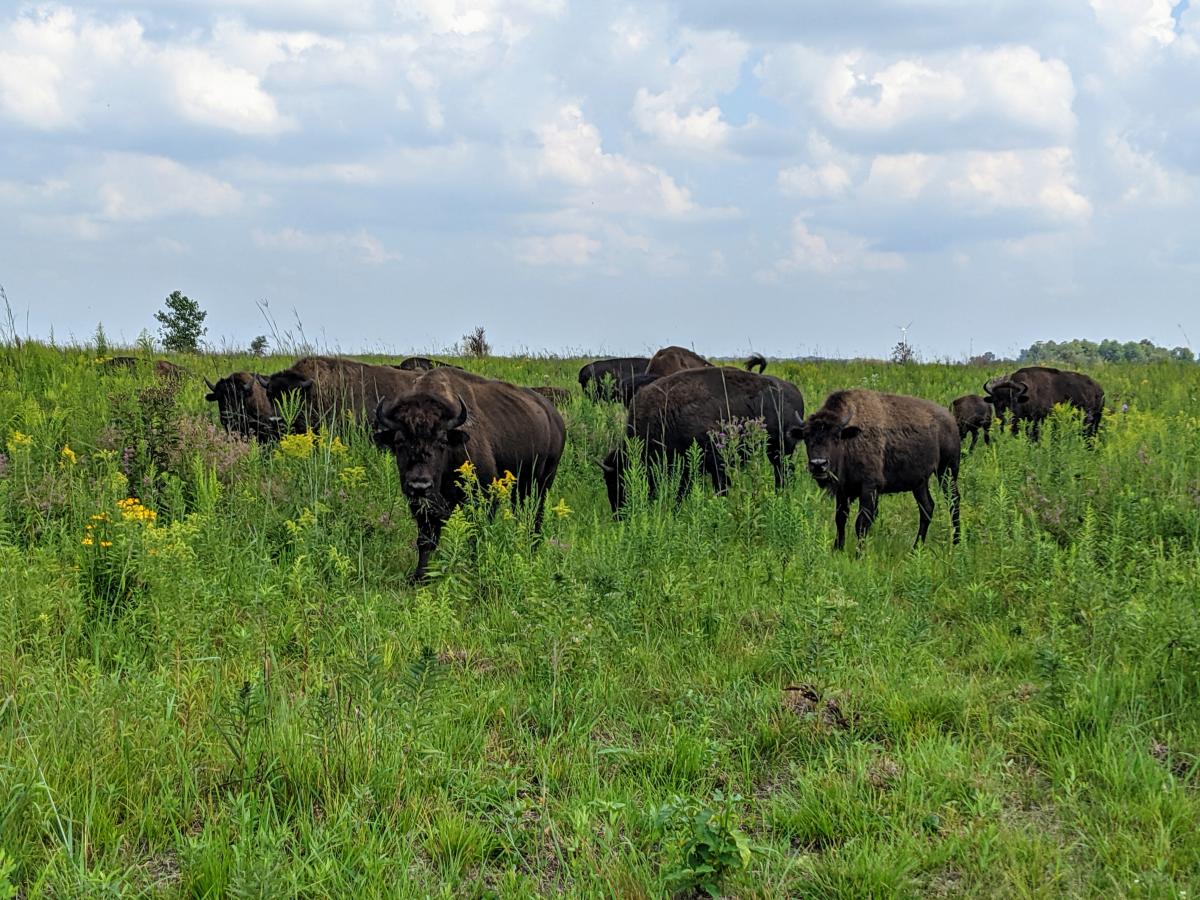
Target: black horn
x=461 y=418
x=211 y=386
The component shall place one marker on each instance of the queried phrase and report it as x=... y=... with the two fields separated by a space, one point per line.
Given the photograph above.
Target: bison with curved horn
x=862 y=444
x=1030 y=395
x=449 y=417
x=331 y=388
x=243 y=405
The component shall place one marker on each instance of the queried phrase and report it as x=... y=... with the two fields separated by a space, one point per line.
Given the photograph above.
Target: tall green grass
x=241 y=696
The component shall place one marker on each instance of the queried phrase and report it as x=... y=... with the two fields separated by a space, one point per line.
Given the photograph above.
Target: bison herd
x=438 y=421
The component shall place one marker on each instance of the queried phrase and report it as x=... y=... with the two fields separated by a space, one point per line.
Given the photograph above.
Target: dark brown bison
x=243 y=405
x=556 y=395
x=1030 y=394
x=670 y=360
x=599 y=379
x=121 y=362
x=627 y=388
x=169 y=371
x=973 y=415
x=862 y=444
x=420 y=364
x=332 y=388
x=704 y=407
x=449 y=417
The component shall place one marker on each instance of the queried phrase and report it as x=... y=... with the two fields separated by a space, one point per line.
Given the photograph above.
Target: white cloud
x=1135 y=27
x=814 y=182
x=571 y=152
x=693 y=74
x=959 y=98
x=572 y=249
x=1145 y=180
x=811 y=251
x=136 y=187
x=1039 y=182
x=211 y=92
x=363 y=246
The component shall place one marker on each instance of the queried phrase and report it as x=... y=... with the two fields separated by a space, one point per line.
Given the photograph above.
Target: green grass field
x=226 y=688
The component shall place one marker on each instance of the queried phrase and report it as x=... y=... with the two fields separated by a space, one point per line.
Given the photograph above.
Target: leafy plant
x=710 y=845
x=181 y=323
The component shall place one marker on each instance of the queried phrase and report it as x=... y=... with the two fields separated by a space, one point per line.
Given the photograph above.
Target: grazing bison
x=703 y=406
x=670 y=360
x=169 y=371
x=243 y=405
x=862 y=444
x=1029 y=394
x=420 y=364
x=599 y=379
x=332 y=387
x=556 y=395
x=973 y=414
x=449 y=417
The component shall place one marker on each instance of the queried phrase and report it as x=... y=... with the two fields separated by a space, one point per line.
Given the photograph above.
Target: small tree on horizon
x=258 y=346
x=476 y=344
x=181 y=323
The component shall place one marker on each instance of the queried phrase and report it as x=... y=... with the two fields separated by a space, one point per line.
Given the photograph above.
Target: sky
x=793 y=178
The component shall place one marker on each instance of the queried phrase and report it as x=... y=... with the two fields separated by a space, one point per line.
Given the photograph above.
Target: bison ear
x=457 y=437
x=282 y=382
x=210 y=397
x=796 y=433
x=385 y=438
x=850 y=432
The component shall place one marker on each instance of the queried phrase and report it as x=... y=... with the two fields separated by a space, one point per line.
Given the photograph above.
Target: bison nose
x=419 y=485
x=818 y=464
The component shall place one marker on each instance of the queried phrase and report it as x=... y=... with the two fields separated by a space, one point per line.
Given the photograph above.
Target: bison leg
x=925 y=509
x=974 y=439
x=868 y=505
x=948 y=478
x=839 y=519
x=429 y=533
x=987 y=435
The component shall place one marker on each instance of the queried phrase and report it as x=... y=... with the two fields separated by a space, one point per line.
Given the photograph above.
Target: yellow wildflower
x=336 y=446
x=68 y=455
x=297 y=446
x=106 y=543
x=503 y=486
x=87 y=542
x=561 y=509
x=353 y=476
x=466 y=470
x=18 y=441
x=133 y=511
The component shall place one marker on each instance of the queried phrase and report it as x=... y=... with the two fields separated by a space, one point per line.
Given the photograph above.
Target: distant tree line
x=1081 y=352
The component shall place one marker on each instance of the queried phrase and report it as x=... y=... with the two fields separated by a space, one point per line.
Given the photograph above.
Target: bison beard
x=862 y=444
x=451 y=417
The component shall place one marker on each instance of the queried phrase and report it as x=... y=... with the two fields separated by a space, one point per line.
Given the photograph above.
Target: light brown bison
x=448 y=417
x=703 y=407
x=1030 y=394
x=862 y=444
x=973 y=415
x=334 y=388
x=670 y=360
x=243 y=405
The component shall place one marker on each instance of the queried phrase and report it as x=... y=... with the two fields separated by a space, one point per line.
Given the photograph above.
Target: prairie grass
x=226 y=688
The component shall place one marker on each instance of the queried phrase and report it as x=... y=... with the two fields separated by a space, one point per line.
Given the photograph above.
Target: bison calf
x=862 y=444
x=973 y=414
x=449 y=417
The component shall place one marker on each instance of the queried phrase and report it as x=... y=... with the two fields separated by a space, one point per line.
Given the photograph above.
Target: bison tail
x=757 y=360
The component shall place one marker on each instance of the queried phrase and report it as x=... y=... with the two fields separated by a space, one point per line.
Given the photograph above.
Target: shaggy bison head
x=1006 y=394
x=242 y=404
x=826 y=435
x=425 y=435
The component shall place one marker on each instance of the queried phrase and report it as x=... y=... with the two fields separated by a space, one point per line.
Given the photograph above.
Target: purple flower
x=3 y=465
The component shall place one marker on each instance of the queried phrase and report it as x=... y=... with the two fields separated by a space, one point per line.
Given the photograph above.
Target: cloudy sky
x=787 y=177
